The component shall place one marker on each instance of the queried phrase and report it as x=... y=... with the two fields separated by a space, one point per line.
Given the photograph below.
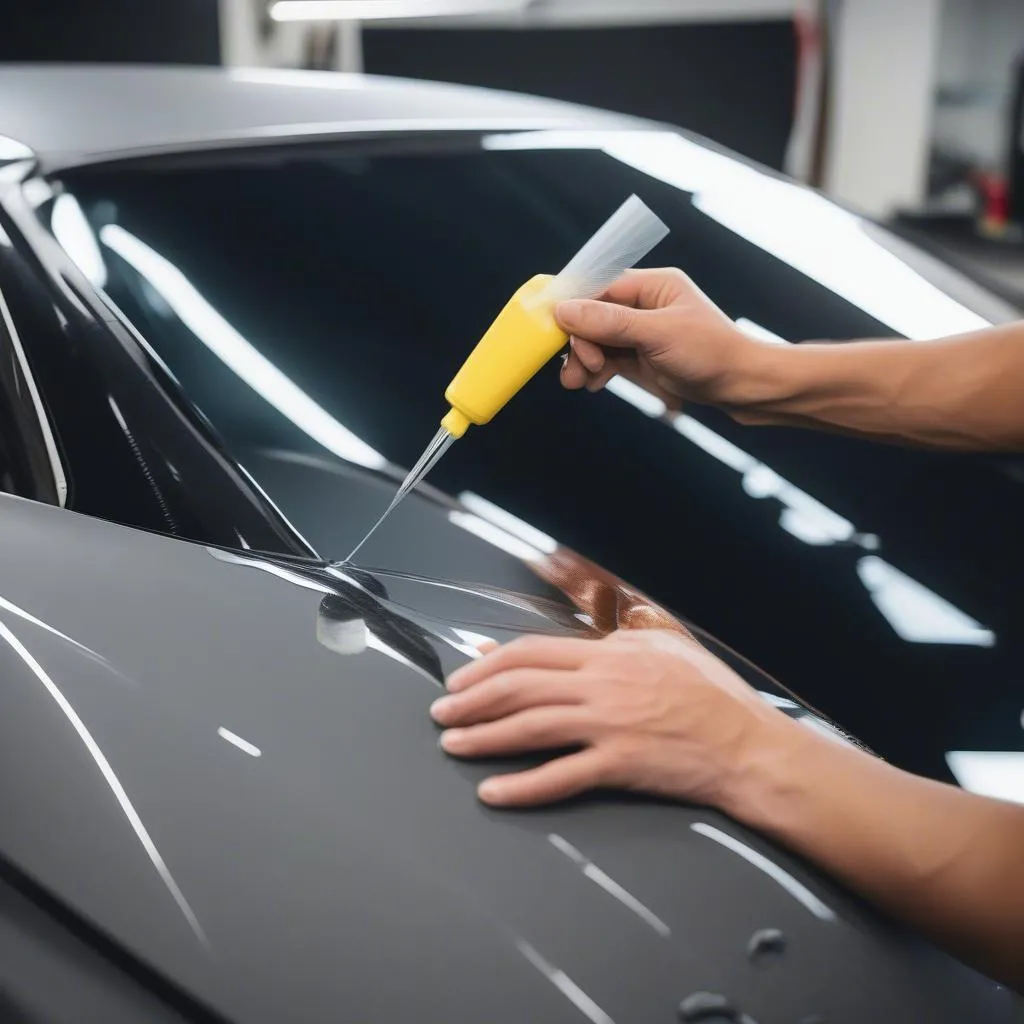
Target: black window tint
x=366 y=278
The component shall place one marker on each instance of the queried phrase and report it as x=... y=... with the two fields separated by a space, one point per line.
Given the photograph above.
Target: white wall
x=885 y=59
x=979 y=41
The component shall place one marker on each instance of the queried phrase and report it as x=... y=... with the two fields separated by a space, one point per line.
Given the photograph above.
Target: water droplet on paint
x=766 y=947
x=707 y=1008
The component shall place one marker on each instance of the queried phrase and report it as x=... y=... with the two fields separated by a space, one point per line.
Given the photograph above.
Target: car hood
x=225 y=763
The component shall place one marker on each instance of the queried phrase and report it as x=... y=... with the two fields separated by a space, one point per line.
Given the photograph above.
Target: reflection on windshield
x=235 y=352
x=995 y=773
x=791 y=222
x=77 y=238
x=916 y=614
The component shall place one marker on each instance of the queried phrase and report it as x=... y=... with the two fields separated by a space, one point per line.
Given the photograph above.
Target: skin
x=650 y=710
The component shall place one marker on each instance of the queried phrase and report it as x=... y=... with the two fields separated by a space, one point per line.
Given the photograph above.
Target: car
x=230 y=302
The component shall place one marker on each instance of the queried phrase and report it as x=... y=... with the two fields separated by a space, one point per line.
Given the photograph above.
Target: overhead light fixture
x=377 y=10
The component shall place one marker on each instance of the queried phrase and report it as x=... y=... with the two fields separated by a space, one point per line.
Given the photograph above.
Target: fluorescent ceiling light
x=640 y=398
x=918 y=614
x=995 y=773
x=508 y=522
x=77 y=239
x=235 y=352
x=374 y=10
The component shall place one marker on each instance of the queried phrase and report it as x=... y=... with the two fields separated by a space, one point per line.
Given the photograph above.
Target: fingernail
x=451 y=738
x=440 y=707
x=595 y=385
x=490 y=790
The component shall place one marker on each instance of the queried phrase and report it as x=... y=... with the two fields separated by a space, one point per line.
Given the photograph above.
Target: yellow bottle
x=521 y=340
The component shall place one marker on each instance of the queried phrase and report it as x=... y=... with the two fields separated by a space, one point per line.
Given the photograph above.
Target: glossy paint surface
x=226 y=764
x=72 y=115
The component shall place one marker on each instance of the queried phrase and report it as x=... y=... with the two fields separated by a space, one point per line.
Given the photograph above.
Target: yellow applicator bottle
x=525 y=335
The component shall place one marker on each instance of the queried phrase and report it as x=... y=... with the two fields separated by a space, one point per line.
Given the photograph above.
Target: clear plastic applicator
x=525 y=334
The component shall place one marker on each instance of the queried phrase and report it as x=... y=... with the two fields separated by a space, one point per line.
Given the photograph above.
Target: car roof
x=78 y=114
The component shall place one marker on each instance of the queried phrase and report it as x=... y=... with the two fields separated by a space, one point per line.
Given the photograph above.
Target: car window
x=360 y=278
x=30 y=464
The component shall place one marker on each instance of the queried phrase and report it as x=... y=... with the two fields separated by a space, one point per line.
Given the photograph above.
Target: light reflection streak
x=795 y=888
x=495 y=536
x=755 y=330
x=794 y=224
x=77 y=238
x=565 y=985
x=509 y=523
x=610 y=886
x=29 y=617
x=244 y=745
x=236 y=352
x=916 y=613
x=109 y=776
x=994 y=773
x=638 y=397
x=269 y=567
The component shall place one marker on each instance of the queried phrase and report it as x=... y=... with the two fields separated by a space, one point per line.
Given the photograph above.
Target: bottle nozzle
x=456 y=423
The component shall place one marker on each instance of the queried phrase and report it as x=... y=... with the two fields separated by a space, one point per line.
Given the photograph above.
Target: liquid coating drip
x=431 y=456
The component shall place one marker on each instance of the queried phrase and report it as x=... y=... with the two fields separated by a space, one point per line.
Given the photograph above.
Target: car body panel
x=226 y=764
x=232 y=771
x=76 y=114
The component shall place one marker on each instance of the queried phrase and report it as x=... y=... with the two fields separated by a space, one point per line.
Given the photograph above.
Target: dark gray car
x=221 y=793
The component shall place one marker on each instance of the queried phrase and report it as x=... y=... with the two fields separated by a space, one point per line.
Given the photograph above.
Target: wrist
x=763 y=375
x=766 y=786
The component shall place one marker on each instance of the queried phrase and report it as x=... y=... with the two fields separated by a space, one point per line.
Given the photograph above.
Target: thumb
x=604 y=323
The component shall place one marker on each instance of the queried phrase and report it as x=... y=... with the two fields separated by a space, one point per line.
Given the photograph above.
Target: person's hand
x=643 y=710
x=657 y=328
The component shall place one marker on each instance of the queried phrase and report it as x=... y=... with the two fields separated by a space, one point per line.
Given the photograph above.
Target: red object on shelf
x=995 y=201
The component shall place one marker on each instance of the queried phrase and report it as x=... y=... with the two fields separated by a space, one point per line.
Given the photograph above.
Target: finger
x=533 y=729
x=526 y=652
x=598 y=381
x=574 y=374
x=559 y=779
x=603 y=323
x=648 y=289
x=589 y=354
x=486 y=646
x=506 y=693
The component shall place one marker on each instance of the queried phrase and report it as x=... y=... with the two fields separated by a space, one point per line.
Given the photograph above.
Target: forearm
x=964 y=392
x=948 y=863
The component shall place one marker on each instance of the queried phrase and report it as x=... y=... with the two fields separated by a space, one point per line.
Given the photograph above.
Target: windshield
x=295 y=294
